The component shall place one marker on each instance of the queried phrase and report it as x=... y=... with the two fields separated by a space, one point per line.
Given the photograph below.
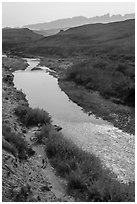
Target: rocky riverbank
x=22 y=180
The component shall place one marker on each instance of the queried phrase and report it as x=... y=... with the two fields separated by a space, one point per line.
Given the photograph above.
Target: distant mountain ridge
x=79 y=20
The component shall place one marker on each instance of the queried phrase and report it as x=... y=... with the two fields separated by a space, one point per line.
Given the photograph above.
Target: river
x=114 y=147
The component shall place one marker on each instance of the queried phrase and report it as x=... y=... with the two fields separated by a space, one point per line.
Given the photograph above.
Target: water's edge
x=114 y=147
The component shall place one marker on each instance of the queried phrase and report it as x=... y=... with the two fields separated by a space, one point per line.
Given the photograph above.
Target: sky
x=17 y=14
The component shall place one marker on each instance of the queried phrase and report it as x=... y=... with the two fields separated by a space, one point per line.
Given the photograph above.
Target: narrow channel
x=114 y=147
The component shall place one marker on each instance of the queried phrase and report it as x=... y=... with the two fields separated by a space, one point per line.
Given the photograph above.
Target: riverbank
x=23 y=177
x=119 y=115
x=65 y=157
x=122 y=117
x=88 y=180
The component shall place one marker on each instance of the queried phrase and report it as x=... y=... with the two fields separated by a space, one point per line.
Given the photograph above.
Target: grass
x=15 y=143
x=14 y=63
x=105 y=87
x=87 y=179
x=113 y=80
x=119 y=115
x=7 y=146
x=21 y=194
x=32 y=117
x=43 y=134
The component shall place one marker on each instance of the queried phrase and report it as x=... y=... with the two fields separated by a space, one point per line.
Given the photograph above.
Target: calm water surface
x=42 y=91
x=115 y=148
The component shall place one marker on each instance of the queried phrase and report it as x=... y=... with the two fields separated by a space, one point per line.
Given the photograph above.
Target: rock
x=16 y=191
x=36 y=68
x=32 y=138
x=57 y=128
x=24 y=130
x=39 y=125
x=45 y=188
x=5 y=121
x=39 y=198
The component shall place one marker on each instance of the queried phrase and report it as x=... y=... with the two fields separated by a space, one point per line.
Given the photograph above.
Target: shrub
x=30 y=151
x=106 y=77
x=17 y=142
x=21 y=194
x=8 y=79
x=32 y=117
x=9 y=147
x=87 y=179
x=43 y=134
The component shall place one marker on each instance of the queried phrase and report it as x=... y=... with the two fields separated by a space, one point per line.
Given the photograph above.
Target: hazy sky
x=19 y=14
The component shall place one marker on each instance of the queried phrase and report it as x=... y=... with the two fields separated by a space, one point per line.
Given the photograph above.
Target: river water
x=114 y=148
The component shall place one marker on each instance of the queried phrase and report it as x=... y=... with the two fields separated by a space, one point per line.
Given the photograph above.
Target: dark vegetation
x=21 y=194
x=15 y=143
x=87 y=179
x=12 y=64
x=41 y=136
x=8 y=78
x=92 y=102
x=114 y=80
x=32 y=117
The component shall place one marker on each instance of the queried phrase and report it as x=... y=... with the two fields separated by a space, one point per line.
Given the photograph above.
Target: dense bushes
x=113 y=80
x=15 y=143
x=32 y=117
x=87 y=179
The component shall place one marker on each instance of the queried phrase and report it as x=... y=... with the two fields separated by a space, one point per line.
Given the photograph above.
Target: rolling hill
x=117 y=38
x=13 y=36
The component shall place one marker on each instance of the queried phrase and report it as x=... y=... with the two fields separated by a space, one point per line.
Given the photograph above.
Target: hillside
x=115 y=38
x=13 y=36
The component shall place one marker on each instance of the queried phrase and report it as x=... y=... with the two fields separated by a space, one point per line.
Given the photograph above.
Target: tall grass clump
x=87 y=178
x=15 y=143
x=32 y=117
